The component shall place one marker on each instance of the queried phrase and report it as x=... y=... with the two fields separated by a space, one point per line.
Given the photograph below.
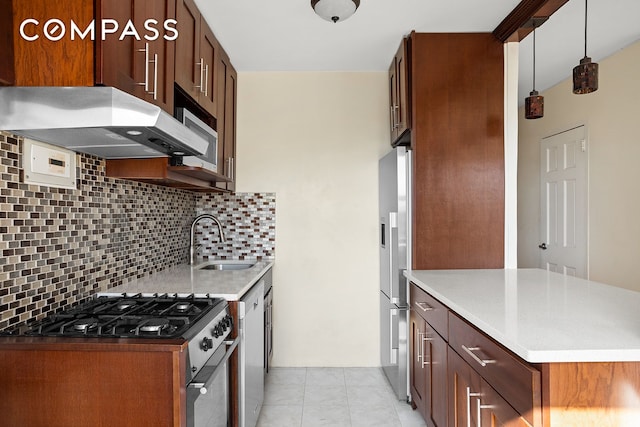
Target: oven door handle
x=203 y=386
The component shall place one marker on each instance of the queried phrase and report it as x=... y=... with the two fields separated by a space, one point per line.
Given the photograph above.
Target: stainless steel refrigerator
x=394 y=211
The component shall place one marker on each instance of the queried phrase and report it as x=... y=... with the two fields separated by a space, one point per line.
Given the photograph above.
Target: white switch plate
x=48 y=165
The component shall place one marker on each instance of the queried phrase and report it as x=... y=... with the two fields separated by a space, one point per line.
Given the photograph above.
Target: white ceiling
x=286 y=35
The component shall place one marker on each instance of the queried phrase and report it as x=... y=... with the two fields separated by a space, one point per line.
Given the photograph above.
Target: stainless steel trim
x=423 y=306
x=201 y=64
x=418 y=344
x=393 y=244
x=155 y=77
x=471 y=394
x=202 y=386
x=146 y=67
x=425 y=338
x=206 y=80
x=470 y=352
x=103 y=121
x=393 y=357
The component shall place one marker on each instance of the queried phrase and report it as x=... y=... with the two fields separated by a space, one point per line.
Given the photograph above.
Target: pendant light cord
x=585 y=27
x=534 y=55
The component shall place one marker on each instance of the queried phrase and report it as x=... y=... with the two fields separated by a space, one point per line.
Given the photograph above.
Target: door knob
x=543 y=246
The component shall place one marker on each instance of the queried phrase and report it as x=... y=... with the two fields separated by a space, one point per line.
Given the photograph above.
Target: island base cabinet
x=591 y=394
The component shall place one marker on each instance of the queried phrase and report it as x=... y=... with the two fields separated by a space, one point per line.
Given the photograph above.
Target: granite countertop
x=184 y=279
x=542 y=316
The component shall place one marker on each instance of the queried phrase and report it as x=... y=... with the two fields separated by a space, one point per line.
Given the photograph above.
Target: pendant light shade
x=534 y=103
x=585 y=75
x=335 y=10
x=534 y=106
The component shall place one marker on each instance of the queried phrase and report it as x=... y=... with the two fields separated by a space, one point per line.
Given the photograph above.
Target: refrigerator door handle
x=394 y=339
x=393 y=258
x=393 y=346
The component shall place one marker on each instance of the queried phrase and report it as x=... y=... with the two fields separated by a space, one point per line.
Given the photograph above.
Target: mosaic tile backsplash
x=61 y=246
x=248 y=222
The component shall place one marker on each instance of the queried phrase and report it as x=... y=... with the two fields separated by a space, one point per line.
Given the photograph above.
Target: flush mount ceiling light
x=585 y=75
x=335 y=10
x=534 y=103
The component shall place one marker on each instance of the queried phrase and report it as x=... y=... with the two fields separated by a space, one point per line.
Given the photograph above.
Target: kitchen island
x=560 y=350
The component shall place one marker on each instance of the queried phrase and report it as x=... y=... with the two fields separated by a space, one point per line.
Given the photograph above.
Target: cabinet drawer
x=517 y=381
x=431 y=310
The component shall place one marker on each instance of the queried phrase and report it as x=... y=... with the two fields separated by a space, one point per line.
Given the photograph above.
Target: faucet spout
x=192 y=246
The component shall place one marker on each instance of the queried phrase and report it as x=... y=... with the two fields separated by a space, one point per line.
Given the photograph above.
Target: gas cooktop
x=127 y=317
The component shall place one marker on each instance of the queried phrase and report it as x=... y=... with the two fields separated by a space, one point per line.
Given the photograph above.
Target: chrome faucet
x=192 y=246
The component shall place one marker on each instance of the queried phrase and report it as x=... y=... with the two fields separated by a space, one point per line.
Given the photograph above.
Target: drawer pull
x=423 y=306
x=470 y=352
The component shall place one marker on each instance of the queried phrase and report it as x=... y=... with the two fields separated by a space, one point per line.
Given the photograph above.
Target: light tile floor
x=335 y=397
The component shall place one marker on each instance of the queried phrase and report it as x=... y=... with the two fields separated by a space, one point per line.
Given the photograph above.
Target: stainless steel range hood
x=102 y=121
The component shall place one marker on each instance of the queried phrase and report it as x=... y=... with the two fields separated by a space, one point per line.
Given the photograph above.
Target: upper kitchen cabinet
x=399 y=95
x=227 y=85
x=457 y=137
x=196 y=57
x=126 y=44
x=144 y=68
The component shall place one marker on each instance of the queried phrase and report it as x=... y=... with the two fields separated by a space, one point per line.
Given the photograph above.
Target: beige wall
x=315 y=139
x=611 y=117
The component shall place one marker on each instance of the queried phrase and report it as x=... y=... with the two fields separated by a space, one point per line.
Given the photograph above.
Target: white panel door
x=564 y=175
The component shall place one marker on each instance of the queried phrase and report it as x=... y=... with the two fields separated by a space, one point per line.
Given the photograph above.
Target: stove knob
x=223 y=326
x=216 y=331
x=207 y=343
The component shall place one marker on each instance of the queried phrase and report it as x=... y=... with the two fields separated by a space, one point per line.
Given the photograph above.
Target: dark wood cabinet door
x=157 y=70
x=403 y=107
x=188 y=68
x=196 y=57
x=496 y=412
x=417 y=371
x=208 y=98
x=393 y=97
x=399 y=95
x=227 y=88
x=464 y=393
x=45 y=62
x=143 y=68
x=115 y=58
x=435 y=362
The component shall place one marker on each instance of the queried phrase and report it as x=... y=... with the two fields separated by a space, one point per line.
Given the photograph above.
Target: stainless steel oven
x=208 y=403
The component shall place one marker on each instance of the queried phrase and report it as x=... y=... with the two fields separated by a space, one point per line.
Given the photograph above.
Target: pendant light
x=534 y=103
x=335 y=10
x=585 y=75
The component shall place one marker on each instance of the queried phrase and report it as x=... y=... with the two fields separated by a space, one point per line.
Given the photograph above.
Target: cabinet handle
x=425 y=338
x=155 y=77
x=395 y=113
x=393 y=119
x=201 y=85
x=231 y=168
x=146 y=67
x=470 y=352
x=419 y=345
x=206 y=80
x=423 y=306
x=471 y=394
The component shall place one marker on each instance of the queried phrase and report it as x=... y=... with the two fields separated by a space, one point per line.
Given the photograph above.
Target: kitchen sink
x=230 y=265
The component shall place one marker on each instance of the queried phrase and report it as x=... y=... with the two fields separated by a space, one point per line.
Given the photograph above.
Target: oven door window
x=208 y=406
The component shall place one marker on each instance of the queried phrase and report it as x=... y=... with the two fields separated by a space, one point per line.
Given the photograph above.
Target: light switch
x=49 y=165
